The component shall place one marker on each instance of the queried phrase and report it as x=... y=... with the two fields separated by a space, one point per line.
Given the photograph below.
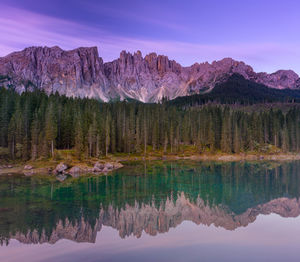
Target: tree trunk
x=52 y=148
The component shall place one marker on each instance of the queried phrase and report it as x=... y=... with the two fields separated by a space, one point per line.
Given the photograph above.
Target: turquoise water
x=158 y=211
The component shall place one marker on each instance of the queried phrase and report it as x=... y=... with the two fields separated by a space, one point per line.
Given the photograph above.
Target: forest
x=34 y=125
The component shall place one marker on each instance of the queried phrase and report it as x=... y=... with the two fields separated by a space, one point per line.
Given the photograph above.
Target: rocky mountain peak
x=281 y=79
x=82 y=73
x=78 y=72
x=138 y=54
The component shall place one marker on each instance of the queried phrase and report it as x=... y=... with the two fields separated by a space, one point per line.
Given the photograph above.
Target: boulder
x=98 y=167
x=75 y=170
x=28 y=167
x=60 y=168
x=109 y=166
x=89 y=169
x=96 y=170
x=117 y=165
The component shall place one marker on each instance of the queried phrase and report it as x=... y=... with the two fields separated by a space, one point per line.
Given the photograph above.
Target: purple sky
x=264 y=34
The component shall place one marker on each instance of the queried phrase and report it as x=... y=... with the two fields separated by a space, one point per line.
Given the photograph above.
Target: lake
x=155 y=211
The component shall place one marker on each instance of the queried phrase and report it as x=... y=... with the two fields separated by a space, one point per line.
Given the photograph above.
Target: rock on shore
x=63 y=169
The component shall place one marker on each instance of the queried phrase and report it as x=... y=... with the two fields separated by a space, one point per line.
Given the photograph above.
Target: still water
x=158 y=211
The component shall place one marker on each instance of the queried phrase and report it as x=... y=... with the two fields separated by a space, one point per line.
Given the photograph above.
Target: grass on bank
x=183 y=151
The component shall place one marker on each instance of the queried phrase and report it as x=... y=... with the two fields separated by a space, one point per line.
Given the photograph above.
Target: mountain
x=82 y=73
x=237 y=89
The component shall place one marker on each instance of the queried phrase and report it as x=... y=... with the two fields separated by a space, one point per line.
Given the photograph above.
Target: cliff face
x=146 y=79
x=76 y=73
x=133 y=220
x=82 y=73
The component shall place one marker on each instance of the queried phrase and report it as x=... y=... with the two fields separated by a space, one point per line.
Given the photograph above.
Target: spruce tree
x=50 y=128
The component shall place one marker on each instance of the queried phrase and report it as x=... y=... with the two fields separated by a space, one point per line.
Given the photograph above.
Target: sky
x=262 y=33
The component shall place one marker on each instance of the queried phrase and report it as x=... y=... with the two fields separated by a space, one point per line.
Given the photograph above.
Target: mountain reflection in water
x=144 y=197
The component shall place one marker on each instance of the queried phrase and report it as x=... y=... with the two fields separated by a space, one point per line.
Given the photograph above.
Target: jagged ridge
x=82 y=73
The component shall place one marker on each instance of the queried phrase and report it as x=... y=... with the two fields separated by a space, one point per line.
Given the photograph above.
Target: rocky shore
x=62 y=170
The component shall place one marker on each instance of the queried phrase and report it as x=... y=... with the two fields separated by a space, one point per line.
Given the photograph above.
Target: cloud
x=135 y=16
x=20 y=28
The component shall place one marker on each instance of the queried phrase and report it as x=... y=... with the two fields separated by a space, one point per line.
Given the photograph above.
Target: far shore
x=44 y=167
x=215 y=157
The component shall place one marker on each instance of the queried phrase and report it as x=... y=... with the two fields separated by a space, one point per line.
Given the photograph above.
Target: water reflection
x=150 y=198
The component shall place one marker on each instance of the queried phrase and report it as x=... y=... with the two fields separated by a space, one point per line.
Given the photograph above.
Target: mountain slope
x=237 y=89
x=82 y=73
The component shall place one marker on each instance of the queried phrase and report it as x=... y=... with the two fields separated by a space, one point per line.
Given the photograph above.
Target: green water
x=145 y=199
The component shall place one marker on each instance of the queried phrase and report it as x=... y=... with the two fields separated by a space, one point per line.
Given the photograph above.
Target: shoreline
x=213 y=157
x=46 y=167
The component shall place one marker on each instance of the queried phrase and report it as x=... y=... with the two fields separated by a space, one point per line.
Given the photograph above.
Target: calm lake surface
x=158 y=211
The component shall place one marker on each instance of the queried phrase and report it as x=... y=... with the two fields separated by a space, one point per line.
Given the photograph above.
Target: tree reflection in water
x=146 y=197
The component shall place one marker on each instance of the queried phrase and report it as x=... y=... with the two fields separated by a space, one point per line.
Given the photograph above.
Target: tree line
x=34 y=125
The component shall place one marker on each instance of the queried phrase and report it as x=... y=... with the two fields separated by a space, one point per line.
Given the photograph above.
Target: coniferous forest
x=34 y=125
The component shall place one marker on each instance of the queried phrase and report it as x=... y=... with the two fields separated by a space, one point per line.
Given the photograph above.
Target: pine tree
x=50 y=128
x=237 y=137
x=34 y=136
x=107 y=133
x=137 y=136
x=79 y=139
